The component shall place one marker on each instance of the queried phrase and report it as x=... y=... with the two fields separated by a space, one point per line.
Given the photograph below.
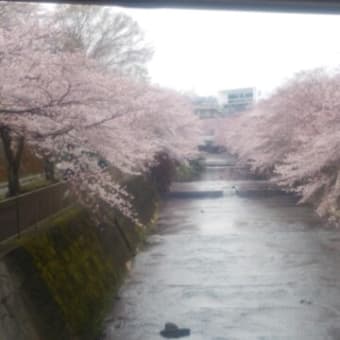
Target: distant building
x=206 y=107
x=237 y=100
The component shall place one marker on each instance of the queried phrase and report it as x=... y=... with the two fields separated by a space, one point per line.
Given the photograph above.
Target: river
x=247 y=265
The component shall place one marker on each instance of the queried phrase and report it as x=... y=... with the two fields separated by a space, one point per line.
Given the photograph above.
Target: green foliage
x=163 y=173
x=145 y=197
x=189 y=172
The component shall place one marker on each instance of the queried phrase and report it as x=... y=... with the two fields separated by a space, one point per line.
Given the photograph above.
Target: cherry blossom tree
x=293 y=137
x=111 y=38
x=96 y=31
x=86 y=120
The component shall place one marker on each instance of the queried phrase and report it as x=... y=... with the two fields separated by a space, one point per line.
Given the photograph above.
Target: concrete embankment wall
x=60 y=279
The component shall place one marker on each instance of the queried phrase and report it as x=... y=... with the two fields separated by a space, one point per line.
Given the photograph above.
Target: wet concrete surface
x=235 y=267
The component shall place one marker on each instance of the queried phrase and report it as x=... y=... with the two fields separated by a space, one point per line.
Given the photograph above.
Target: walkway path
x=23 y=181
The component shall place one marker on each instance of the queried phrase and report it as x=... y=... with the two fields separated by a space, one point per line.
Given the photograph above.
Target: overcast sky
x=206 y=51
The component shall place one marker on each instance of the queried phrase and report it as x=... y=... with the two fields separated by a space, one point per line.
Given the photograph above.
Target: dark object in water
x=307 y=302
x=236 y=191
x=171 y=330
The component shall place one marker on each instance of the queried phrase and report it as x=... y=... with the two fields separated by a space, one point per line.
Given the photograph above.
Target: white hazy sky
x=206 y=51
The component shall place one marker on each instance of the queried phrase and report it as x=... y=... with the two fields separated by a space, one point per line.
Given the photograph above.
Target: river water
x=246 y=265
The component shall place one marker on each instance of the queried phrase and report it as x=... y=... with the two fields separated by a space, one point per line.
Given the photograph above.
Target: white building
x=236 y=100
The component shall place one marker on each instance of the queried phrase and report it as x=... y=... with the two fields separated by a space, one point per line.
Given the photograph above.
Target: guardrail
x=23 y=211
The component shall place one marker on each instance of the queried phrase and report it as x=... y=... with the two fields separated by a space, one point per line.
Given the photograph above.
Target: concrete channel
x=246 y=264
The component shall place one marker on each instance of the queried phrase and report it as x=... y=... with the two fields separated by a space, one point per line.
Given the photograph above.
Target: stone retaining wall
x=59 y=281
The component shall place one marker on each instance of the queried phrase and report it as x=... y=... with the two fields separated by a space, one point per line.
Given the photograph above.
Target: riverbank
x=59 y=280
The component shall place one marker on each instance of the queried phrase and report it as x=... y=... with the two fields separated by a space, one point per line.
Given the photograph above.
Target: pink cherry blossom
x=78 y=114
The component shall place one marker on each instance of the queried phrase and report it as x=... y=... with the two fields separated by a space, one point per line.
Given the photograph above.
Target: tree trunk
x=13 y=149
x=49 y=170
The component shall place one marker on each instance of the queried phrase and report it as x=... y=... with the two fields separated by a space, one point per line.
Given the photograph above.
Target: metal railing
x=23 y=211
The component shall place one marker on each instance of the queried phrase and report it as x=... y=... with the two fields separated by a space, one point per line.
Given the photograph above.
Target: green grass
x=190 y=172
x=35 y=184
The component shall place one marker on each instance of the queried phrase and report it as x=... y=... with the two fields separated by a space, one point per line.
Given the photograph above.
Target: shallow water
x=236 y=267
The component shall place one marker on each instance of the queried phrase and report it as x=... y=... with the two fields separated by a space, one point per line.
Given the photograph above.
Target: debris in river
x=171 y=330
x=235 y=189
x=307 y=302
